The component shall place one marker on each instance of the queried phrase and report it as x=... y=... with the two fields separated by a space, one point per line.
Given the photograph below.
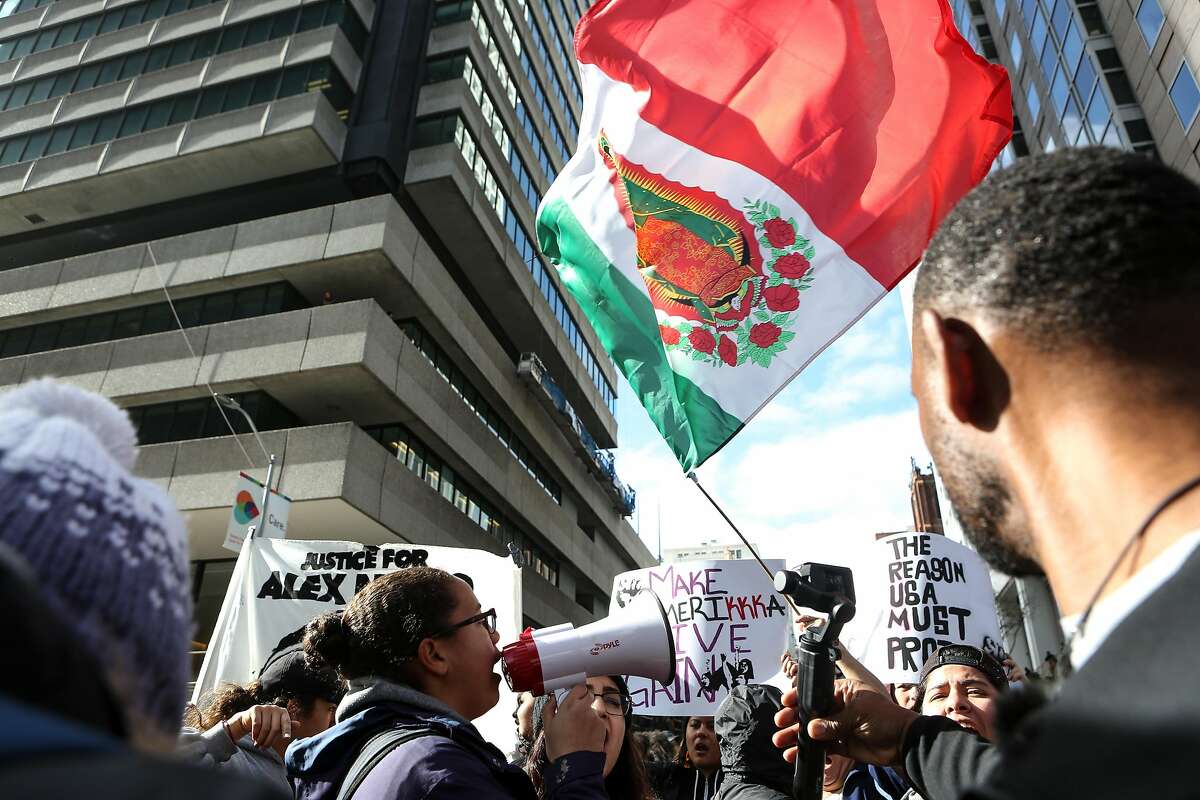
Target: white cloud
x=815 y=475
x=804 y=497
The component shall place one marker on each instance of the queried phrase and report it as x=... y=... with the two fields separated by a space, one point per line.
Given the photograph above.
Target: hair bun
x=327 y=639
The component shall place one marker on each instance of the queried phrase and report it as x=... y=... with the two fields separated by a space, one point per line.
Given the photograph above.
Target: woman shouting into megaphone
x=419 y=655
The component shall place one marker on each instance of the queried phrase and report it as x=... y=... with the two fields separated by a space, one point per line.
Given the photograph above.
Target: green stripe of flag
x=693 y=423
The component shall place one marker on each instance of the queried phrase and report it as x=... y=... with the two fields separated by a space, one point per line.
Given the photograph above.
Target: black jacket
x=1126 y=725
x=676 y=782
x=754 y=768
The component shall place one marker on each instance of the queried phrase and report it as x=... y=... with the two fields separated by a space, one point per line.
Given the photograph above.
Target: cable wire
x=188 y=342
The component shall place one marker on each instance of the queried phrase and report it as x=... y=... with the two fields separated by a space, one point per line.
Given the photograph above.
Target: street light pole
x=233 y=405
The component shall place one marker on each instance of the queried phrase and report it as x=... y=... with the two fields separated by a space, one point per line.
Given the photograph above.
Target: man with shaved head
x=1056 y=366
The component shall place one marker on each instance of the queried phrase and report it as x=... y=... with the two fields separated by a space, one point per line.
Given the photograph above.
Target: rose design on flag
x=763 y=331
x=725 y=282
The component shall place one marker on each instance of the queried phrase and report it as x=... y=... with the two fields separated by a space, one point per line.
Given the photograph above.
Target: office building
x=707 y=551
x=922 y=495
x=1118 y=73
x=339 y=196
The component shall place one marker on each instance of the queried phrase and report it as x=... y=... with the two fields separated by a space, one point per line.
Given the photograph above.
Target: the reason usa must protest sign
x=939 y=592
x=278 y=585
x=730 y=627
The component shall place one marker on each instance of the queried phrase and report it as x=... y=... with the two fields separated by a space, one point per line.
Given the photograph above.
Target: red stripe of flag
x=874 y=115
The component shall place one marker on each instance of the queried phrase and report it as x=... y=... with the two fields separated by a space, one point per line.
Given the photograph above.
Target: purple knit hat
x=109 y=549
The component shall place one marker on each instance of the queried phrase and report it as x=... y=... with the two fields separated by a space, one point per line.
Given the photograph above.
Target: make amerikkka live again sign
x=730 y=627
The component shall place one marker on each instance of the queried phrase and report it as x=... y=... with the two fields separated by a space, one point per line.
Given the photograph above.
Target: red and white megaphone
x=636 y=640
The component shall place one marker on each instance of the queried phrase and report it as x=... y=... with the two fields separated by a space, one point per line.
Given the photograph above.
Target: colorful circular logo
x=245 y=510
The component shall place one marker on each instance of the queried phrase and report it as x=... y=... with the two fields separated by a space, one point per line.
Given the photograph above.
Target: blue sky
x=815 y=475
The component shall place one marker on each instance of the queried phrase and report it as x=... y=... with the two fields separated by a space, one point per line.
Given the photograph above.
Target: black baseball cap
x=966 y=656
x=288 y=672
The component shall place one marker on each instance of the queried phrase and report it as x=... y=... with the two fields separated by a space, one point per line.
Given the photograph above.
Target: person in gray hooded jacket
x=246 y=729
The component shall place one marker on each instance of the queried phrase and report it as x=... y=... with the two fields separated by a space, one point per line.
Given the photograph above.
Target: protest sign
x=938 y=592
x=730 y=627
x=279 y=585
x=247 y=498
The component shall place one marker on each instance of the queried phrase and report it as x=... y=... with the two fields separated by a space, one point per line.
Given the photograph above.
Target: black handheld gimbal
x=830 y=590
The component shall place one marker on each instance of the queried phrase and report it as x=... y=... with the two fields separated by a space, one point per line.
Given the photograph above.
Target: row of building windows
x=1079 y=103
x=10 y=7
x=463 y=10
x=567 y=21
x=443 y=480
x=495 y=123
x=1184 y=93
x=95 y=25
x=566 y=56
x=252 y=301
x=539 y=44
x=317 y=76
x=518 y=101
x=484 y=410
x=202 y=418
x=1058 y=31
x=450 y=127
x=181 y=51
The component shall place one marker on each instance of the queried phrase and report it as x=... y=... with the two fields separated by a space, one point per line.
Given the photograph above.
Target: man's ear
x=431 y=658
x=974 y=385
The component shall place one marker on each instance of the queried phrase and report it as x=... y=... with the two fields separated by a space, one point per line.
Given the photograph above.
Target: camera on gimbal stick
x=829 y=590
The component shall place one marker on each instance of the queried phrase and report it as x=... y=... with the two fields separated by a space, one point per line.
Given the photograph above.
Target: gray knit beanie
x=109 y=550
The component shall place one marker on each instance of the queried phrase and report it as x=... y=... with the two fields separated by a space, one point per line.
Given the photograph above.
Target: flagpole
x=750 y=547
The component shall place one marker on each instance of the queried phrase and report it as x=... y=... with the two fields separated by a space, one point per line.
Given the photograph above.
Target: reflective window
x=1150 y=19
x=1014 y=48
x=1185 y=96
x=1099 y=116
x=1072 y=48
x=1059 y=90
x=1034 y=100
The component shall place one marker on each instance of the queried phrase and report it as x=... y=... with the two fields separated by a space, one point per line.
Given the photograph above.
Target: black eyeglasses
x=487 y=618
x=615 y=702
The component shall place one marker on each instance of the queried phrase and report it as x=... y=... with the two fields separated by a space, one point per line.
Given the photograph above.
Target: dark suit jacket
x=1127 y=725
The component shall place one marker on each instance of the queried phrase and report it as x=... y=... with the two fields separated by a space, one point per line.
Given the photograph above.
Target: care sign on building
x=278 y=585
x=730 y=627
x=246 y=511
x=938 y=592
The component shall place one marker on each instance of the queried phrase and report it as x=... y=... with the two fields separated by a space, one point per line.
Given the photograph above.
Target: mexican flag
x=751 y=177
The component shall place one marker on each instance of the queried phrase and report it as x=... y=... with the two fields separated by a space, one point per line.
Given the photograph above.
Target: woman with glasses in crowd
x=624 y=770
x=419 y=655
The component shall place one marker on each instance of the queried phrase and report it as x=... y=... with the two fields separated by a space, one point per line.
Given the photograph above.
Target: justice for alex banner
x=939 y=592
x=278 y=585
x=730 y=627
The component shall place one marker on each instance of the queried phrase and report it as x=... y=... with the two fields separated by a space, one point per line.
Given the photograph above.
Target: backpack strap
x=375 y=750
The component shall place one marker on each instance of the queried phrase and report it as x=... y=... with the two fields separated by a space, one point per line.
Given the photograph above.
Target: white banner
x=730 y=628
x=247 y=498
x=279 y=585
x=938 y=592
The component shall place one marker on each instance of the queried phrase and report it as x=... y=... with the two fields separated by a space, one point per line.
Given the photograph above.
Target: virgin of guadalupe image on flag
x=751 y=177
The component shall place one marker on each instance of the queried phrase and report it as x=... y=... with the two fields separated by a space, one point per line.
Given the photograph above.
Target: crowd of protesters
x=1058 y=293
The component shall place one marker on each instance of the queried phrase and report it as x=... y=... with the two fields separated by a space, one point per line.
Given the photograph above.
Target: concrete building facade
x=338 y=197
x=708 y=551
